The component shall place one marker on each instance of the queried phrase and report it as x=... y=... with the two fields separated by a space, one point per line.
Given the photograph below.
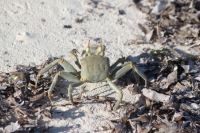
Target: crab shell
x=95 y=68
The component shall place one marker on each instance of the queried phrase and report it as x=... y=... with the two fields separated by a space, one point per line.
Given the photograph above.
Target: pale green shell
x=94 y=68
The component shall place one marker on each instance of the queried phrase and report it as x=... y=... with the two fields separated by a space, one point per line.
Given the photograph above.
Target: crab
x=94 y=67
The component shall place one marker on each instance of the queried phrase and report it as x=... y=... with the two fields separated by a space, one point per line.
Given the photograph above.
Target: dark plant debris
x=67 y=26
x=170 y=22
x=21 y=104
x=171 y=102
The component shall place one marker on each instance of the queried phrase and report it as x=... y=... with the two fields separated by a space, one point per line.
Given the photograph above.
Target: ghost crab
x=94 y=67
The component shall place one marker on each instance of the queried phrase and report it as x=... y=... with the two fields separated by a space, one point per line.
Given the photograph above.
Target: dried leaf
x=37 y=97
x=12 y=127
x=10 y=100
x=143 y=9
x=142 y=118
x=171 y=78
x=197 y=78
x=142 y=28
x=194 y=106
x=17 y=93
x=167 y=22
x=149 y=36
x=177 y=116
x=153 y=95
x=192 y=16
x=3 y=86
x=160 y=6
x=47 y=113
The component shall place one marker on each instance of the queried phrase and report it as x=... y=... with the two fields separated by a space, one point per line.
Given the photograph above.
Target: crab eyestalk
x=100 y=49
x=88 y=48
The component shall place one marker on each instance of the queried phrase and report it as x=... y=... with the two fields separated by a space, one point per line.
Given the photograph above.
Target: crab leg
x=66 y=65
x=55 y=79
x=114 y=87
x=65 y=75
x=137 y=78
x=73 y=56
x=70 y=88
x=125 y=68
x=114 y=66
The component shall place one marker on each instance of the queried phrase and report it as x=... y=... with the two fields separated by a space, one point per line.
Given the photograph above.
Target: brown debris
x=152 y=95
x=17 y=98
x=175 y=22
x=171 y=101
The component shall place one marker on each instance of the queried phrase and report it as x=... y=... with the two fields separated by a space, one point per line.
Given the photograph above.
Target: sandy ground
x=33 y=31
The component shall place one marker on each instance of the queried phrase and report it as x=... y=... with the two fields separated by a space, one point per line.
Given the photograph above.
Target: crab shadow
x=61 y=118
x=64 y=84
x=70 y=113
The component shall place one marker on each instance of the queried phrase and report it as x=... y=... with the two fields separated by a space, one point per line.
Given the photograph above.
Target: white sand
x=32 y=31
